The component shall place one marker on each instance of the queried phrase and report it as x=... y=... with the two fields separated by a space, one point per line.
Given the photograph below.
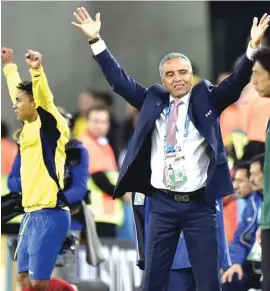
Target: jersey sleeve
x=42 y=93
x=13 y=80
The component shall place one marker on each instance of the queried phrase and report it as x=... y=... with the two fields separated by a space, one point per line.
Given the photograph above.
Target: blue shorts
x=41 y=236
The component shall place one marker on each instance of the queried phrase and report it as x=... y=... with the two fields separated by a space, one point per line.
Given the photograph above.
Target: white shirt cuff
x=251 y=52
x=98 y=47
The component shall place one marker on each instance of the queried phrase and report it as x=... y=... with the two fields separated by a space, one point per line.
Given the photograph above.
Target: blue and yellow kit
x=42 y=148
x=42 y=143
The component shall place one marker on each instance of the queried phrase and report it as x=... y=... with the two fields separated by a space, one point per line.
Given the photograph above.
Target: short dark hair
x=105 y=97
x=263 y=57
x=27 y=87
x=98 y=107
x=242 y=165
x=252 y=149
x=258 y=159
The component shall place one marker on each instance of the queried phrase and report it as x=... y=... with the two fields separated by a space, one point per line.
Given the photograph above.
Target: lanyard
x=186 y=127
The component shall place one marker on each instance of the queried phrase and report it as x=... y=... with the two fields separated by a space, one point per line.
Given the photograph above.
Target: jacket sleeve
x=80 y=179
x=13 y=80
x=239 y=248
x=14 y=178
x=119 y=80
x=229 y=90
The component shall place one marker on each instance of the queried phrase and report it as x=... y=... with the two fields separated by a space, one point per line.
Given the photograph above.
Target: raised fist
x=6 y=56
x=33 y=59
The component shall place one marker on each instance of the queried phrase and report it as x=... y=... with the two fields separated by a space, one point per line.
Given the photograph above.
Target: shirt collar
x=185 y=99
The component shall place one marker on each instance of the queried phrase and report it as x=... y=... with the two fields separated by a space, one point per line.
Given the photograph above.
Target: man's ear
x=162 y=82
x=34 y=104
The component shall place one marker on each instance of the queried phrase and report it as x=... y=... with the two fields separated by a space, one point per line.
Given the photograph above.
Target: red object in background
x=230 y=213
x=59 y=285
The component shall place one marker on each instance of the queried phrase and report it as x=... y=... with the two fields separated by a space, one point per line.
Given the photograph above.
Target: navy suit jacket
x=206 y=104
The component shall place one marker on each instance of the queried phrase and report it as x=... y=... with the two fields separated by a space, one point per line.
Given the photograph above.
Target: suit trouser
x=266 y=259
x=166 y=220
x=182 y=280
x=250 y=280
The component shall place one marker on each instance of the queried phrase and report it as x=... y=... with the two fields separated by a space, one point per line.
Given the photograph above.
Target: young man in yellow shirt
x=42 y=142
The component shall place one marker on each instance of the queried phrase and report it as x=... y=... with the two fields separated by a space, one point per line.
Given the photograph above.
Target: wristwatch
x=94 y=40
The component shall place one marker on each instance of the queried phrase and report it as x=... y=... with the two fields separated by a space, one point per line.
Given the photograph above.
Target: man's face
x=256 y=176
x=99 y=123
x=261 y=80
x=24 y=107
x=241 y=183
x=177 y=77
x=85 y=101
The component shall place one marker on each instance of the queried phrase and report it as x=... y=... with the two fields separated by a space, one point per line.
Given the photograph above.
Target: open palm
x=89 y=27
x=258 y=29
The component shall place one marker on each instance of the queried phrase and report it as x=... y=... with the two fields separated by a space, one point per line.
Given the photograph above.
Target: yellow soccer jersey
x=42 y=144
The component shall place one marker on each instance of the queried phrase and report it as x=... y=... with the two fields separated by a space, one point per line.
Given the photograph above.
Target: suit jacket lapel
x=162 y=100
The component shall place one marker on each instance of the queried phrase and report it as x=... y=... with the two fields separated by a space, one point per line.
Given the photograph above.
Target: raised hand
x=6 y=56
x=89 y=27
x=33 y=59
x=258 y=30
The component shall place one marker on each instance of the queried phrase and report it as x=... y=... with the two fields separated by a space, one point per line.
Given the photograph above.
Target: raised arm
x=230 y=89
x=43 y=96
x=51 y=119
x=121 y=83
x=11 y=73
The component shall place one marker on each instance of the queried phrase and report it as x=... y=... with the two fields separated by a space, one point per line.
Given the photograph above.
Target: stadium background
x=212 y=34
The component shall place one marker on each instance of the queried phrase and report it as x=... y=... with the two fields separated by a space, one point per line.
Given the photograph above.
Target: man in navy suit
x=176 y=155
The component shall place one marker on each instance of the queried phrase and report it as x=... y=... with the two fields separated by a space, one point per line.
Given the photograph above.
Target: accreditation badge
x=176 y=168
x=139 y=199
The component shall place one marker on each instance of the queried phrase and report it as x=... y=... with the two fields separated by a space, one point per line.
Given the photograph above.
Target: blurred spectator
x=108 y=213
x=129 y=126
x=8 y=153
x=229 y=120
x=196 y=78
x=233 y=205
x=114 y=135
x=254 y=113
x=234 y=145
x=241 y=276
x=85 y=101
x=252 y=149
x=242 y=185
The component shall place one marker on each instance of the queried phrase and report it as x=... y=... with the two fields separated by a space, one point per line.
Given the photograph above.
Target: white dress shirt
x=196 y=159
x=194 y=150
